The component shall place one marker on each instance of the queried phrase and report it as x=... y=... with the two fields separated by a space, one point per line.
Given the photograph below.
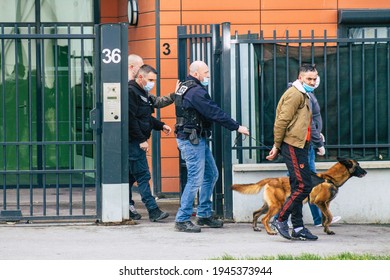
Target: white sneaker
x=335 y=219
x=290 y=225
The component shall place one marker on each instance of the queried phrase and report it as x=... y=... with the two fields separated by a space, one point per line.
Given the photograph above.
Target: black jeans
x=297 y=163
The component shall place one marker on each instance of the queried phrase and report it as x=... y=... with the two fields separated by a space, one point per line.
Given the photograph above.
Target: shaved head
x=196 y=66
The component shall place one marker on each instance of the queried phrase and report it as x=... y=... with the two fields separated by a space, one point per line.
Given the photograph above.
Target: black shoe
x=187 y=227
x=210 y=222
x=282 y=228
x=304 y=234
x=156 y=215
x=133 y=213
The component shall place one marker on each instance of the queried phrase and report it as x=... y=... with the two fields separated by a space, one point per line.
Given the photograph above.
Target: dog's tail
x=251 y=188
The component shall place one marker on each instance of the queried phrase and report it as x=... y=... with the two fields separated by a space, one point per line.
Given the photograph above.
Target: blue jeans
x=202 y=174
x=139 y=172
x=315 y=211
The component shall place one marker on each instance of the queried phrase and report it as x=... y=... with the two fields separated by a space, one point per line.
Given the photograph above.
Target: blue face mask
x=308 y=88
x=149 y=86
x=205 y=82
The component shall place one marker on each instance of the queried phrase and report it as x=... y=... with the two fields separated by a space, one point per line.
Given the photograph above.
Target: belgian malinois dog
x=326 y=186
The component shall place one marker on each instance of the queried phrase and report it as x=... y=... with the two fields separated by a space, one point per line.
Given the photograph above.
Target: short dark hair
x=306 y=67
x=146 y=69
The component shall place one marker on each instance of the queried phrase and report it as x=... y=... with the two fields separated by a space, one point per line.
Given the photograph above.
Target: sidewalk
x=159 y=241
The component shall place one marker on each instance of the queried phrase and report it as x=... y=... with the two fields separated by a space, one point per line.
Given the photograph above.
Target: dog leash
x=257 y=141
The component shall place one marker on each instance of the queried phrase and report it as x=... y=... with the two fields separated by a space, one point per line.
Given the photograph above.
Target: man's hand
x=243 y=130
x=273 y=153
x=167 y=129
x=144 y=146
x=321 y=151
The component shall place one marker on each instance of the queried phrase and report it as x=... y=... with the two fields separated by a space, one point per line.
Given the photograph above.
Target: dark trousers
x=297 y=163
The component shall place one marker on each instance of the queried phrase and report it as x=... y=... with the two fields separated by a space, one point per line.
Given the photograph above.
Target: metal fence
x=48 y=151
x=249 y=73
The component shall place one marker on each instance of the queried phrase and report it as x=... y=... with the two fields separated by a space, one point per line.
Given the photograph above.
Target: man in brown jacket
x=292 y=140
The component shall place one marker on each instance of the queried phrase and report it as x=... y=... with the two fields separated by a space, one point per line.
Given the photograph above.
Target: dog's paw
x=257 y=229
x=272 y=232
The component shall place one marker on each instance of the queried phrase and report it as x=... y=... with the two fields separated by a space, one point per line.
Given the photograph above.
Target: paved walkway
x=149 y=241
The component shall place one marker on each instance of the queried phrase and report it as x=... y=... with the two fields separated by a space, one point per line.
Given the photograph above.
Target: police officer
x=195 y=113
x=141 y=123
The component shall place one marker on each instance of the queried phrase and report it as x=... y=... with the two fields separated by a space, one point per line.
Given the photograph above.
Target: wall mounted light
x=132 y=12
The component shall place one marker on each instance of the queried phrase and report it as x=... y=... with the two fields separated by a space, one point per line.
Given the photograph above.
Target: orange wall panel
x=146 y=5
x=212 y=5
x=170 y=5
x=168 y=31
x=171 y=143
x=142 y=33
x=311 y=17
x=168 y=68
x=168 y=48
x=170 y=184
x=169 y=167
x=108 y=8
x=301 y=5
x=170 y=17
x=146 y=19
x=363 y=4
x=145 y=48
x=213 y=17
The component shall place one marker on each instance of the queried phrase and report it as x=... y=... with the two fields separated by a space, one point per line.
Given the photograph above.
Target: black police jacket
x=198 y=98
x=141 y=121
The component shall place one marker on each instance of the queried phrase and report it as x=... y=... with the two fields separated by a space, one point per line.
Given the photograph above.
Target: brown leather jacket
x=293 y=116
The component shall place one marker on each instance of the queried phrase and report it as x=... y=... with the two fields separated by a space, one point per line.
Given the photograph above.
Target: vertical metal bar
x=226 y=86
x=376 y=91
x=338 y=96
x=363 y=71
x=274 y=72
x=56 y=120
x=83 y=119
x=70 y=146
x=17 y=138
x=238 y=97
x=44 y=144
x=388 y=87
x=4 y=146
x=299 y=49
x=350 y=103
x=182 y=52
x=324 y=82
x=262 y=97
x=217 y=95
x=250 y=61
x=97 y=79
x=30 y=123
x=287 y=58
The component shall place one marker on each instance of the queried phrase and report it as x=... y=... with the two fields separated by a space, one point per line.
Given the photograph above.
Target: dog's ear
x=346 y=162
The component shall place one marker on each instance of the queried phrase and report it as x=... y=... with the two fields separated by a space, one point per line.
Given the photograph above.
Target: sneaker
x=282 y=228
x=335 y=219
x=303 y=234
x=156 y=215
x=133 y=213
x=187 y=227
x=210 y=222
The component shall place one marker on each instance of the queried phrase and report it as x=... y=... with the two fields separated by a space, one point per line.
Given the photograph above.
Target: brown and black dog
x=276 y=190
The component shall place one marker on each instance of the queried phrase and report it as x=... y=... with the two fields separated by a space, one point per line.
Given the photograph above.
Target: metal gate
x=49 y=153
x=250 y=73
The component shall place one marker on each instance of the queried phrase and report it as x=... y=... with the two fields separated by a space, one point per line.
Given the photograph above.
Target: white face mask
x=149 y=86
x=205 y=82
